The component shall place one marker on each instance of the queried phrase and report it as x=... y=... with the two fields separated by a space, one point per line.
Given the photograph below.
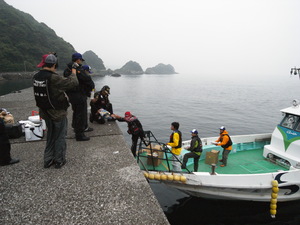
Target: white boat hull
x=256 y=187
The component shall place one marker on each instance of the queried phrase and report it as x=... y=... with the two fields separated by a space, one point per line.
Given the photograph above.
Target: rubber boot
x=82 y=137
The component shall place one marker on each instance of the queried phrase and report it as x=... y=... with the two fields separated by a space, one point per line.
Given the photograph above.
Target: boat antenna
x=295 y=71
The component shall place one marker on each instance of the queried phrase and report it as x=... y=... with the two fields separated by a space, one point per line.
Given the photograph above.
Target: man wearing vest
x=49 y=92
x=195 y=148
x=225 y=142
x=175 y=143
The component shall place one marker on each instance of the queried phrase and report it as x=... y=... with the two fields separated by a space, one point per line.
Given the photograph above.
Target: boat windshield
x=290 y=121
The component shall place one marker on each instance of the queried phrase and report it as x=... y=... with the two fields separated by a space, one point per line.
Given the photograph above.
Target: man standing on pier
x=49 y=92
x=78 y=98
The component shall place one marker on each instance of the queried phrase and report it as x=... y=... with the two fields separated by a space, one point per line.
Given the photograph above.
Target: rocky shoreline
x=29 y=75
x=16 y=75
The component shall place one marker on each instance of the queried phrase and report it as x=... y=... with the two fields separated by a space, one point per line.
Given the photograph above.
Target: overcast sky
x=226 y=37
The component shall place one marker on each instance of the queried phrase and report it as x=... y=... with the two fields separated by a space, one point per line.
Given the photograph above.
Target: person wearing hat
x=225 y=142
x=42 y=63
x=135 y=128
x=78 y=98
x=195 y=150
x=100 y=101
x=87 y=69
x=49 y=92
x=176 y=143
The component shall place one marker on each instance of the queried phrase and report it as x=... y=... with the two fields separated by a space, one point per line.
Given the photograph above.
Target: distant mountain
x=130 y=68
x=93 y=61
x=161 y=69
x=23 y=41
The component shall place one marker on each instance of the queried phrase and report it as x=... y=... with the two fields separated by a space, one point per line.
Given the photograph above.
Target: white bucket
x=33 y=132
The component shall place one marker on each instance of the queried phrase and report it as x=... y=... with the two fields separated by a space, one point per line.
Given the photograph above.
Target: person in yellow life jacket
x=225 y=142
x=176 y=143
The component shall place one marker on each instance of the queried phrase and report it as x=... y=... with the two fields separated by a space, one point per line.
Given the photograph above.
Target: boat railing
x=155 y=156
x=240 y=138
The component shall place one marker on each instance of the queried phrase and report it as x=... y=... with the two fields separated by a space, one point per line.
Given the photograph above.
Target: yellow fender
x=274 y=195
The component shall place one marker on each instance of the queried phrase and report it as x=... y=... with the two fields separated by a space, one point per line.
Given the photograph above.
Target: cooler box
x=212 y=157
x=33 y=132
x=38 y=119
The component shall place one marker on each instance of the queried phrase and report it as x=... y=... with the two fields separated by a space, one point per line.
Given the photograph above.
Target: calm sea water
x=243 y=105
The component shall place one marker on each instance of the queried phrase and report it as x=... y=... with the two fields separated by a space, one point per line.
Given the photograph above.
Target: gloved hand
x=75 y=65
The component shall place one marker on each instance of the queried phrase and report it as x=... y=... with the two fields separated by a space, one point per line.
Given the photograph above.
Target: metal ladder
x=148 y=143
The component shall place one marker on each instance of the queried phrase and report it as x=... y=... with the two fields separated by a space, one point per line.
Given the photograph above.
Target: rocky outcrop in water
x=161 y=69
x=130 y=68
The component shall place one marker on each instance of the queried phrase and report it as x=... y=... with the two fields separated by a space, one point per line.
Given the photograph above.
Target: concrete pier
x=100 y=183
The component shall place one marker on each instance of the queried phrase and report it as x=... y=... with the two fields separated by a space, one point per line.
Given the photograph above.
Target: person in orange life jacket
x=78 y=98
x=5 y=147
x=195 y=148
x=176 y=143
x=225 y=142
x=49 y=92
x=99 y=101
x=135 y=128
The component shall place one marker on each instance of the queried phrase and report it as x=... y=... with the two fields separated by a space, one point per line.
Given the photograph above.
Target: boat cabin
x=285 y=142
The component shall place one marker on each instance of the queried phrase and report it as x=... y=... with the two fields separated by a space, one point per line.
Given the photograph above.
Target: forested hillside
x=23 y=41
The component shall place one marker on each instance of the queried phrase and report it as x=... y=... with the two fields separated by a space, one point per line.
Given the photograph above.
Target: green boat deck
x=239 y=162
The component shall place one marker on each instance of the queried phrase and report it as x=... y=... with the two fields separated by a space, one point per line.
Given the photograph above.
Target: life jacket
x=42 y=92
x=199 y=146
x=180 y=139
x=132 y=126
x=229 y=143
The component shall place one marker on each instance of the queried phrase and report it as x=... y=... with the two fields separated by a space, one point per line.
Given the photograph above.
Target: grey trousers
x=56 y=140
x=176 y=164
x=225 y=156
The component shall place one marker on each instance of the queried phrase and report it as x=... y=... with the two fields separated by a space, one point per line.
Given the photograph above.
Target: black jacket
x=80 y=93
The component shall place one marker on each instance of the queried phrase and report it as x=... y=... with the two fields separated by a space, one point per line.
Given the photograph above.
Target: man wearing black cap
x=49 y=92
x=195 y=150
x=175 y=143
x=78 y=98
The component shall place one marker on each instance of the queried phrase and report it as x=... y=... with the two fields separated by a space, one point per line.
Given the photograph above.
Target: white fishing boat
x=261 y=167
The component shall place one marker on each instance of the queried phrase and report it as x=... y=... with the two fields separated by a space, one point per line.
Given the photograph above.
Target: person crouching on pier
x=100 y=101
